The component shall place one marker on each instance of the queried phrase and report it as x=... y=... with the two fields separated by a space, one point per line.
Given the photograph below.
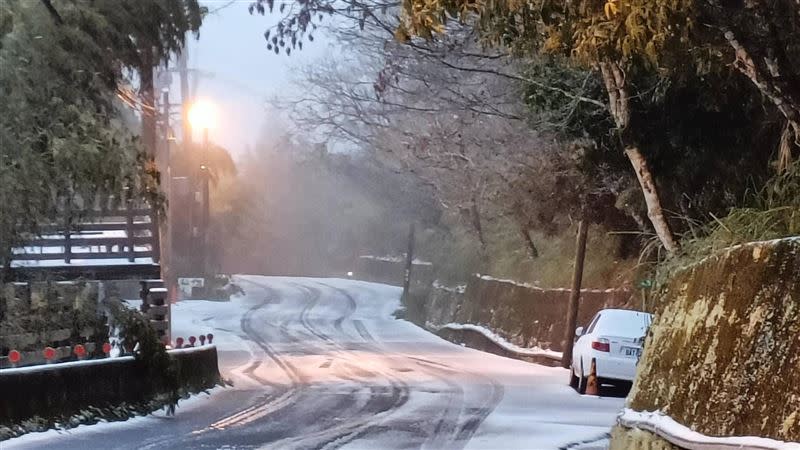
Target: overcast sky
x=240 y=73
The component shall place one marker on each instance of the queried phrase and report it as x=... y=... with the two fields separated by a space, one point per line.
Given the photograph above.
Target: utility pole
x=575 y=295
x=147 y=94
x=167 y=249
x=186 y=101
x=409 y=262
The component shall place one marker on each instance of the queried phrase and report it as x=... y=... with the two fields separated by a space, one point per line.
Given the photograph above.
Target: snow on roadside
x=62 y=365
x=396 y=259
x=499 y=340
x=666 y=427
x=458 y=289
x=223 y=320
x=155 y=419
x=531 y=286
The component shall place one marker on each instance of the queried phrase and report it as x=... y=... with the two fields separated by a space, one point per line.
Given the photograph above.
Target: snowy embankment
x=677 y=434
x=500 y=341
x=105 y=429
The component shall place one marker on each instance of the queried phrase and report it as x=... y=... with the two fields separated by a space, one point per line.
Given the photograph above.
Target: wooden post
x=575 y=295
x=129 y=230
x=68 y=231
x=155 y=236
x=409 y=262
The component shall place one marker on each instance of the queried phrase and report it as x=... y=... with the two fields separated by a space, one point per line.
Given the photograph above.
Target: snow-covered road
x=321 y=363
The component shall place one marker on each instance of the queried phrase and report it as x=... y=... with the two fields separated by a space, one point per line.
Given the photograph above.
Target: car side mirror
x=579 y=331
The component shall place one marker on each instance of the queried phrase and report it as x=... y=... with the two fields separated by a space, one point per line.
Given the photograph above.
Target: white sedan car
x=613 y=341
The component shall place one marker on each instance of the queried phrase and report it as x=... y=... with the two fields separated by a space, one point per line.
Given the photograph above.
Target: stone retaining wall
x=524 y=315
x=529 y=316
x=723 y=354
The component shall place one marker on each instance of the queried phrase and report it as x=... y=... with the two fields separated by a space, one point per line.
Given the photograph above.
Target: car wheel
x=573 y=379
x=582 y=381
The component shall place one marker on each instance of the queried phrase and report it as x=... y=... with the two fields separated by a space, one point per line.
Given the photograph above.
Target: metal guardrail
x=683 y=437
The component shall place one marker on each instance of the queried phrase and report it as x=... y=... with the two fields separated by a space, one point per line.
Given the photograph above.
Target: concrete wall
x=723 y=354
x=61 y=390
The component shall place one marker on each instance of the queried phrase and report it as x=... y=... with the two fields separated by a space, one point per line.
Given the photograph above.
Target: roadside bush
x=773 y=213
x=140 y=339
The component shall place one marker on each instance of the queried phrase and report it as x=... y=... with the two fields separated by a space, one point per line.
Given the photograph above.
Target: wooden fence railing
x=94 y=237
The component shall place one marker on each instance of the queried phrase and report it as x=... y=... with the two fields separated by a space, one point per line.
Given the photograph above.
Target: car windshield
x=631 y=324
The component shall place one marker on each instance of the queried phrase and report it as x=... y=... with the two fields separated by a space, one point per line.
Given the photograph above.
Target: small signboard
x=186 y=285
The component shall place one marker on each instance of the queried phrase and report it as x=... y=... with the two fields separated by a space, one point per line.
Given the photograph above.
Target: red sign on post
x=49 y=353
x=106 y=348
x=13 y=357
x=80 y=351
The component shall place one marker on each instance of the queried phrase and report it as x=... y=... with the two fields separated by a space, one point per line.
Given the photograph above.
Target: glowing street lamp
x=202 y=114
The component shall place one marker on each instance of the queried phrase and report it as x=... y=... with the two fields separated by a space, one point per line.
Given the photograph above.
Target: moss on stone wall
x=628 y=439
x=723 y=354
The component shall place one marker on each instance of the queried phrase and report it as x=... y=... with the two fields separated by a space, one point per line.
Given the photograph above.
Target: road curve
x=322 y=364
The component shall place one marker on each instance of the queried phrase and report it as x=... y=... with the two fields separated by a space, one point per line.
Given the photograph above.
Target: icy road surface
x=322 y=363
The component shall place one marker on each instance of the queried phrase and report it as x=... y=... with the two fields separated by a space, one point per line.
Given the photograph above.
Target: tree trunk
x=654 y=211
x=619 y=106
x=575 y=294
x=476 y=221
x=769 y=80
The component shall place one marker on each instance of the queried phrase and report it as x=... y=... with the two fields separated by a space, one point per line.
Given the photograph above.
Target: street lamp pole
x=201 y=115
x=206 y=206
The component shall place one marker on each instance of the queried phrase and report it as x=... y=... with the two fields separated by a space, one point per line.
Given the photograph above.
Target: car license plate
x=632 y=351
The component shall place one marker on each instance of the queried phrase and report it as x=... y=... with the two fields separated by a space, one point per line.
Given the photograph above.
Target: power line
x=231 y=2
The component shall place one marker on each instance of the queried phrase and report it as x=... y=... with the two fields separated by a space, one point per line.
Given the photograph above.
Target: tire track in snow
x=376 y=397
x=270 y=403
x=445 y=431
x=351 y=307
x=374 y=410
x=264 y=405
x=449 y=424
